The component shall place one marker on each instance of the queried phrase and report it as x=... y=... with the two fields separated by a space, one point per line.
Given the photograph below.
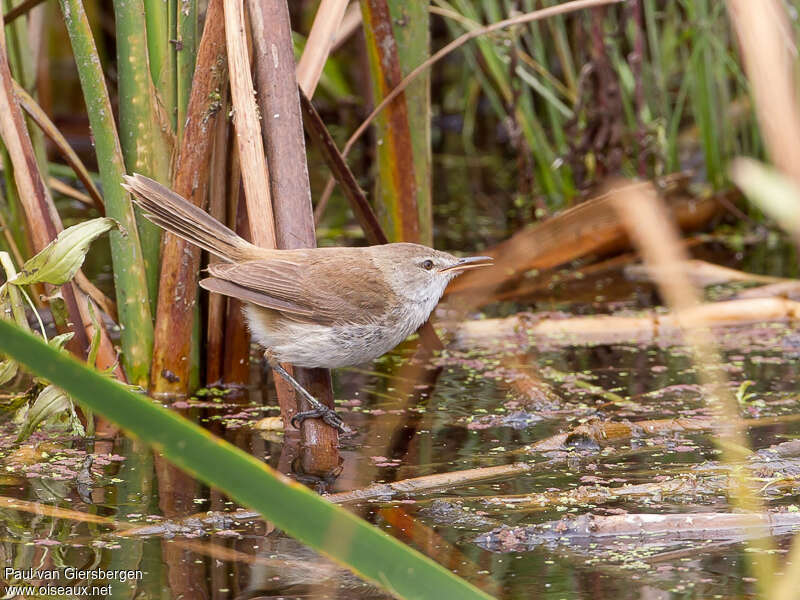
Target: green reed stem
x=144 y=146
x=411 y=31
x=185 y=51
x=156 y=13
x=130 y=280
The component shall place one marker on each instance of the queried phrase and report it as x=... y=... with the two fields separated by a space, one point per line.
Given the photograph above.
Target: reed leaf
x=327 y=528
x=59 y=261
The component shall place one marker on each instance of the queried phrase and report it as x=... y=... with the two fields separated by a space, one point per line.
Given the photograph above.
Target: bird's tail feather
x=177 y=215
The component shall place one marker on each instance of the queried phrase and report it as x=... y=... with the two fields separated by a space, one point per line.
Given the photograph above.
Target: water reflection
x=417 y=414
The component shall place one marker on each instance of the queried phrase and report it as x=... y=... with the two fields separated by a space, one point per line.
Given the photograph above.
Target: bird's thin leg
x=319 y=410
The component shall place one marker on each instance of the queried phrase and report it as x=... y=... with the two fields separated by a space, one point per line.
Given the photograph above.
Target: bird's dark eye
x=427 y=265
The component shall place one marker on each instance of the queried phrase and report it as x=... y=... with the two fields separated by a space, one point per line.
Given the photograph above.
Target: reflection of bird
x=319 y=307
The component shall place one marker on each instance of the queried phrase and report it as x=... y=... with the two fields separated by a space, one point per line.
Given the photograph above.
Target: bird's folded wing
x=307 y=290
x=227 y=288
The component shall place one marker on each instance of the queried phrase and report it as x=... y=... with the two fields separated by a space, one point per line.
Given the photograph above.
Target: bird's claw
x=328 y=415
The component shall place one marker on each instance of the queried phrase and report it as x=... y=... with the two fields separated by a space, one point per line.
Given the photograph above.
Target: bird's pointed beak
x=469 y=262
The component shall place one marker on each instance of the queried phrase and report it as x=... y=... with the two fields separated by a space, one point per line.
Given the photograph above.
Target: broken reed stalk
x=396 y=186
x=647 y=221
x=130 y=281
x=290 y=190
x=652 y=327
x=591 y=227
x=67 y=190
x=106 y=304
x=39 y=116
x=427 y=483
x=320 y=42
x=359 y=204
x=248 y=129
x=172 y=369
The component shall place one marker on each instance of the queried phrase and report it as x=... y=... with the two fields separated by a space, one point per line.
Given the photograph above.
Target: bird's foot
x=328 y=415
x=318 y=410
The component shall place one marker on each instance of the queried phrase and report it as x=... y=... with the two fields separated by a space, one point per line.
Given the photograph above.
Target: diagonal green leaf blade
x=58 y=262
x=331 y=530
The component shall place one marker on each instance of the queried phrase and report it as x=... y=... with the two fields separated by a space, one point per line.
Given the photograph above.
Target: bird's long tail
x=177 y=215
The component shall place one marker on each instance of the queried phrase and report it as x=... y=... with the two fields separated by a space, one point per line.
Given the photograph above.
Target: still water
x=125 y=524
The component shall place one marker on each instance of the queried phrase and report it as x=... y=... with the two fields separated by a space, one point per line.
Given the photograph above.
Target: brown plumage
x=306 y=285
x=316 y=307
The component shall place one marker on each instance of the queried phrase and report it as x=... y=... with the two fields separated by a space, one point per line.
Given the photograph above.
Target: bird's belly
x=314 y=345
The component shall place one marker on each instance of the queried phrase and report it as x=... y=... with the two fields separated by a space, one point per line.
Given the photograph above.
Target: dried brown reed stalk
x=769 y=53
x=341 y=172
x=652 y=327
x=591 y=227
x=41 y=119
x=284 y=142
x=180 y=261
x=326 y=24
x=217 y=196
x=428 y=483
x=652 y=232
x=248 y=129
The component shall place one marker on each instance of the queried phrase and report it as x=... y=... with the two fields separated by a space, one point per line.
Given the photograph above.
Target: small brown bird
x=316 y=307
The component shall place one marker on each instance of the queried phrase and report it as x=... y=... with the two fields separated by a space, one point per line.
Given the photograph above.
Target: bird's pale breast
x=331 y=346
